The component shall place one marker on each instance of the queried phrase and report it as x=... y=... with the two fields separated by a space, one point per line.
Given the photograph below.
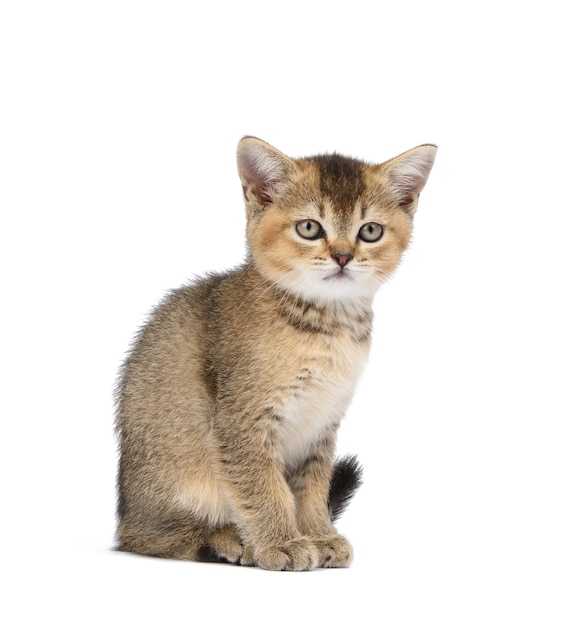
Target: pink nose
x=342 y=258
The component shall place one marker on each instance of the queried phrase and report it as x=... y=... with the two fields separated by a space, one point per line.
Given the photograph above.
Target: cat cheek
x=264 y=236
x=401 y=229
x=273 y=249
x=389 y=260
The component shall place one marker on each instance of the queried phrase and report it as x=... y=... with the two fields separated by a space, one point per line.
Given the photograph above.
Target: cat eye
x=309 y=229
x=370 y=232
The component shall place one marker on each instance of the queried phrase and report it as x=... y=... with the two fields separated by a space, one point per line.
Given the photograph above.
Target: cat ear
x=263 y=170
x=408 y=173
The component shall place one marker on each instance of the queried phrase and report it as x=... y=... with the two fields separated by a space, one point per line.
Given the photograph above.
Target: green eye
x=309 y=229
x=370 y=232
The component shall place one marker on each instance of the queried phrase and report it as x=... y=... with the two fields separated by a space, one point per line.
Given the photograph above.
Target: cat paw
x=334 y=551
x=294 y=555
x=247 y=557
x=226 y=543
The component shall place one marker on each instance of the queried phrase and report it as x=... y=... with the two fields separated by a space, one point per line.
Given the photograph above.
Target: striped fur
x=231 y=396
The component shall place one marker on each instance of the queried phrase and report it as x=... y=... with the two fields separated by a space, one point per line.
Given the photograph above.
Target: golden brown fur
x=229 y=402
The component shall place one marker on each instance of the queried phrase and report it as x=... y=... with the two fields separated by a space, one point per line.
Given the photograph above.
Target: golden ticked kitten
x=230 y=399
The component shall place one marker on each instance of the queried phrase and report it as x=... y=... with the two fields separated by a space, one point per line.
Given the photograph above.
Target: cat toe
x=294 y=555
x=247 y=559
x=334 y=551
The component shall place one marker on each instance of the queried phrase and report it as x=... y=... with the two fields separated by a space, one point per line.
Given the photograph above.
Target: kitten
x=231 y=397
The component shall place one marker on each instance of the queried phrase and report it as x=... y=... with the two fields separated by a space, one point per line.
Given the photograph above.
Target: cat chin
x=332 y=289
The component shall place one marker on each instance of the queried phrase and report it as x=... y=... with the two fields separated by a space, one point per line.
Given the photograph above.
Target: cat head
x=329 y=228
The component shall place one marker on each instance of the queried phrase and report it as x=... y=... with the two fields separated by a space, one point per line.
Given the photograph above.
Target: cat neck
x=326 y=317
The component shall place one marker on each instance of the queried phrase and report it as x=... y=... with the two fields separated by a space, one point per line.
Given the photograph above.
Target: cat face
x=329 y=228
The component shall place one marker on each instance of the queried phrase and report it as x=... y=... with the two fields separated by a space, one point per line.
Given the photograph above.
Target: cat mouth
x=339 y=275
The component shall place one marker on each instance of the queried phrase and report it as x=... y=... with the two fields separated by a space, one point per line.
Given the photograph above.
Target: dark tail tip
x=346 y=479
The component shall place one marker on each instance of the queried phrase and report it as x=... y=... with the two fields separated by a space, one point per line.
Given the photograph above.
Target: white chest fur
x=320 y=395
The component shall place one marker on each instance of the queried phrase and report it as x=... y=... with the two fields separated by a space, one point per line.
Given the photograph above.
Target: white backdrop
x=118 y=127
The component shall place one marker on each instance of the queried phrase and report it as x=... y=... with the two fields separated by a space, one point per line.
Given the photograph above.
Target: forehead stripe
x=341 y=180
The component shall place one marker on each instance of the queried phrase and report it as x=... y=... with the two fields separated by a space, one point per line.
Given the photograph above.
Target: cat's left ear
x=263 y=170
x=408 y=173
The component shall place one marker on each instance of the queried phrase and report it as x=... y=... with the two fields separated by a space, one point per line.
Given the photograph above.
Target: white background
x=118 y=127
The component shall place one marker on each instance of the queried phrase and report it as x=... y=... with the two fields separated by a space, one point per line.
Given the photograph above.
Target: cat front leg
x=310 y=483
x=265 y=507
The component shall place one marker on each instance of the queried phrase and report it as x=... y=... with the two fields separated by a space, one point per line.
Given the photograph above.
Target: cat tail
x=346 y=479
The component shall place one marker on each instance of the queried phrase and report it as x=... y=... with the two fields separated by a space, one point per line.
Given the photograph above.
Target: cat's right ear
x=263 y=170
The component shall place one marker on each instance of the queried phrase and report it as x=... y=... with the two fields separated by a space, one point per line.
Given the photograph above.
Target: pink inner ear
x=410 y=174
x=408 y=199
x=262 y=169
x=260 y=189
